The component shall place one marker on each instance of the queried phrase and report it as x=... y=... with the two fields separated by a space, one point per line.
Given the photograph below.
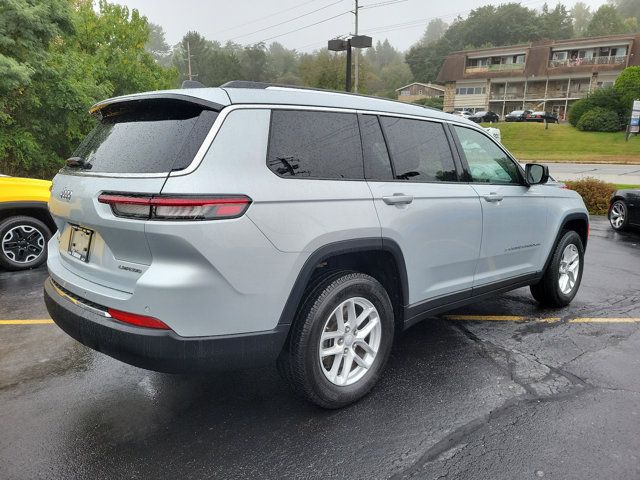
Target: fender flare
x=370 y=244
x=568 y=218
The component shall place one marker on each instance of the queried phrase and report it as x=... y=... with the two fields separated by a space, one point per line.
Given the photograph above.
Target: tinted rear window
x=323 y=145
x=420 y=150
x=150 y=136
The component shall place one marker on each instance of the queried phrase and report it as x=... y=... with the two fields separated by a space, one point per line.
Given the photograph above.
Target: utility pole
x=190 y=75
x=357 y=52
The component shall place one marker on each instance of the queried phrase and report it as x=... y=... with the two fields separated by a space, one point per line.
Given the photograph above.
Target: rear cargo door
x=131 y=151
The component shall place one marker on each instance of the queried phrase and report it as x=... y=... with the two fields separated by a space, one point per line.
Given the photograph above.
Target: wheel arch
x=37 y=210
x=577 y=222
x=381 y=258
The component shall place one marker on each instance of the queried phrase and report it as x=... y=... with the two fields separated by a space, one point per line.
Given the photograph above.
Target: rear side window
x=149 y=136
x=487 y=162
x=419 y=150
x=308 y=144
x=377 y=165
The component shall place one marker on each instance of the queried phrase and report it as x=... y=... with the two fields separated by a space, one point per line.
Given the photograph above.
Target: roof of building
x=537 y=59
x=428 y=85
x=264 y=94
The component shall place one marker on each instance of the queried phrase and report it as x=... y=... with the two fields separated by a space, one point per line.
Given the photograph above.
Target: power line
x=306 y=26
x=383 y=4
x=287 y=21
x=264 y=18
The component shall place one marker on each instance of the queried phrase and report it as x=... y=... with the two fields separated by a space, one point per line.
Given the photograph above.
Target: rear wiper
x=78 y=162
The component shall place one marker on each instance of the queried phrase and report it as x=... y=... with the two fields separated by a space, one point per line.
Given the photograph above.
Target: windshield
x=150 y=136
x=517 y=112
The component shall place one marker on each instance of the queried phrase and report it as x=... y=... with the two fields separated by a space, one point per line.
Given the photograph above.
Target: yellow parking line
x=517 y=318
x=40 y=321
x=487 y=318
x=605 y=320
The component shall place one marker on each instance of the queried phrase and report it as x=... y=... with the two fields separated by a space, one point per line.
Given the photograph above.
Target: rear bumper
x=162 y=350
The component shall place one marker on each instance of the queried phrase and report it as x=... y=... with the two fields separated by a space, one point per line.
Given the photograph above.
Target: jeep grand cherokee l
x=231 y=227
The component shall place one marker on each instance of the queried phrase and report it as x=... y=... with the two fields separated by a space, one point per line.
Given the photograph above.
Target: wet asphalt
x=459 y=399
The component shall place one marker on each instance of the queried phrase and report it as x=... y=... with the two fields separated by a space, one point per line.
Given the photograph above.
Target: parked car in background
x=25 y=223
x=484 y=117
x=541 y=116
x=462 y=113
x=226 y=227
x=624 y=209
x=517 y=116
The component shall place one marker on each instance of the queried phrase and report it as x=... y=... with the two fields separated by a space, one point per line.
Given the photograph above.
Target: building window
x=405 y=92
x=419 y=92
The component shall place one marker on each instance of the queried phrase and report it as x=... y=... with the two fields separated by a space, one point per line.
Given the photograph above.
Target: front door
x=514 y=215
x=436 y=220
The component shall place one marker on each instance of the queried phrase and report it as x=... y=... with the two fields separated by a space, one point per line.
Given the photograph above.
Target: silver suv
x=235 y=226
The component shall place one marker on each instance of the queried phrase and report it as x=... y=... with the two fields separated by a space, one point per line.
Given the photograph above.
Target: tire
x=300 y=363
x=550 y=291
x=23 y=243
x=619 y=215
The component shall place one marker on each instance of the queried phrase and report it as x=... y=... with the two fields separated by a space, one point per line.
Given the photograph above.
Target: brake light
x=176 y=208
x=138 y=320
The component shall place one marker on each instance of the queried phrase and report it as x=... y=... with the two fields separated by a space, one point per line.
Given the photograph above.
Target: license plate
x=80 y=243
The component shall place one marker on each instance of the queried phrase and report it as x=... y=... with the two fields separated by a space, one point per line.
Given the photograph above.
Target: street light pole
x=348 y=77
x=339 y=45
x=357 y=51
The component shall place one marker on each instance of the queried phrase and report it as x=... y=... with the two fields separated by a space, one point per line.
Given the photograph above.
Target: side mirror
x=536 y=173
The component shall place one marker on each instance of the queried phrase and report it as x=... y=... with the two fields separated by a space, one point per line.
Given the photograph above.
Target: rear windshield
x=517 y=112
x=147 y=136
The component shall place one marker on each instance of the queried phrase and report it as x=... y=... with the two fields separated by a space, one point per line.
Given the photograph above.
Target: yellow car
x=25 y=223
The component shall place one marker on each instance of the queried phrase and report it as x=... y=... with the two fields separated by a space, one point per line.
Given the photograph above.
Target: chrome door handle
x=398 y=199
x=493 y=197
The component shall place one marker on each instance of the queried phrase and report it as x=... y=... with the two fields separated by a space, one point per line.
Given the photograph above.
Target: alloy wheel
x=350 y=341
x=23 y=244
x=569 y=269
x=618 y=214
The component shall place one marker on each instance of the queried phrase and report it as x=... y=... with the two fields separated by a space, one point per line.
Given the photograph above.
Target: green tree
x=605 y=21
x=581 y=15
x=436 y=28
x=59 y=57
x=157 y=45
x=555 y=24
x=627 y=8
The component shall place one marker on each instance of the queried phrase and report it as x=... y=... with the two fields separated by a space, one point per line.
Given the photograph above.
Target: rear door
x=130 y=151
x=514 y=214
x=435 y=219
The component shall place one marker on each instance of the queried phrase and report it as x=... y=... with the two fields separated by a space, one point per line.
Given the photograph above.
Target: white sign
x=634 y=126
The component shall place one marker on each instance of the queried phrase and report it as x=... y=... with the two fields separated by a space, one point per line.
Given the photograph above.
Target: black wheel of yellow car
x=23 y=243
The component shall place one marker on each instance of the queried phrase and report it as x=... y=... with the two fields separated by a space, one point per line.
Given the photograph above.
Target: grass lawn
x=563 y=143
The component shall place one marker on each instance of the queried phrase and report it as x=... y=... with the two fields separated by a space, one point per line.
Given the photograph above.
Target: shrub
x=628 y=84
x=433 y=102
x=595 y=193
x=599 y=119
x=608 y=98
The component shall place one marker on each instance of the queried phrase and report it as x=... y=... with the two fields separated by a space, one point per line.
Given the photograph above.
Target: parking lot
x=500 y=389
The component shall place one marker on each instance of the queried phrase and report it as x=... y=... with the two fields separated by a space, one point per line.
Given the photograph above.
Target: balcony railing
x=576 y=62
x=508 y=96
x=498 y=67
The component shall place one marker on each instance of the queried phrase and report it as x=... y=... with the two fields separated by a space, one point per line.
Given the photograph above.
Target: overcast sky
x=250 y=21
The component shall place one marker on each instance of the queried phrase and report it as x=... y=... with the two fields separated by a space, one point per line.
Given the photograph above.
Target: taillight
x=176 y=208
x=137 y=320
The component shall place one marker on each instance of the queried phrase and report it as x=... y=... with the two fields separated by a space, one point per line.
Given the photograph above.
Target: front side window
x=419 y=150
x=311 y=144
x=487 y=162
